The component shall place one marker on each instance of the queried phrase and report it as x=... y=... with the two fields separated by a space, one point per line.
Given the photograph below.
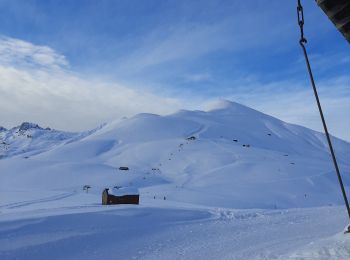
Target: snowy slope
x=217 y=184
x=157 y=232
x=240 y=158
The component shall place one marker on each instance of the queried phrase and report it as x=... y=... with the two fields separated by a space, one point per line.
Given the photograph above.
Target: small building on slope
x=120 y=195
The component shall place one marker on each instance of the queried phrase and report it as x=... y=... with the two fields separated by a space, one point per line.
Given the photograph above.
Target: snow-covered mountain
x=228 y=183
x=231 y=156
x=29 y=139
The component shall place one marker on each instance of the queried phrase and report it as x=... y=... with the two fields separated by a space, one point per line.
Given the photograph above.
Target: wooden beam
x=338 y=11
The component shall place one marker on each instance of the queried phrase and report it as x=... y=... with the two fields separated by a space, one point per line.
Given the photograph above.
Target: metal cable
x=302 y=43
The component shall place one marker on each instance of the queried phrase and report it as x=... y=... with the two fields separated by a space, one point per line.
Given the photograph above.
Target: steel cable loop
x=302 y=42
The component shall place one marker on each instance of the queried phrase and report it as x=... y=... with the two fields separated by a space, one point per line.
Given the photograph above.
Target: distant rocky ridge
x=29 y=138
x=26 y=126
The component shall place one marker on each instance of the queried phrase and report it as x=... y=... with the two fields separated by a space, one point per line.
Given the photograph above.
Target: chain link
x=300 y=12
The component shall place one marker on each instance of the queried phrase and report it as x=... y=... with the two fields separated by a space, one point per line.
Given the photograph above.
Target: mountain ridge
x=230 y=156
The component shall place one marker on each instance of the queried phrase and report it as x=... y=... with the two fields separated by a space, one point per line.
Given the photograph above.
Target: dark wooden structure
x=109 y=199
x=338 y=11
x=347 y=230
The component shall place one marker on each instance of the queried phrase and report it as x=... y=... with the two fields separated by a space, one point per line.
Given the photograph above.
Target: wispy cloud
x=326 y=63
x=187 y=41
x=180 y=42
x=177 y=55
x=48 y=93
x=22 y=53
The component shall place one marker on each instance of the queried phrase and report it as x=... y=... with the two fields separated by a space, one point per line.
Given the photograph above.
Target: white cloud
x=186 y=41
x=46 y=93
x=180 y=42
x=22 y=53
x=69 y=102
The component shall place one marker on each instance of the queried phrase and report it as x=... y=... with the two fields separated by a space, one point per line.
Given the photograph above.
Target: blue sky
x=75 y=64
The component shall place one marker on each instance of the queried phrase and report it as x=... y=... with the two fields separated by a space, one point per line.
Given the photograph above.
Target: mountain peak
x=227 y=105
x=27 y=125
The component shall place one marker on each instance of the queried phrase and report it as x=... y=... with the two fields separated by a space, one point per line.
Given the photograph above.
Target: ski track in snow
x=198 y=200
x=37 y=201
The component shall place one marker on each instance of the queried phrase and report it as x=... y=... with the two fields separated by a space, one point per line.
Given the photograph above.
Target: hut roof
x=123 y=191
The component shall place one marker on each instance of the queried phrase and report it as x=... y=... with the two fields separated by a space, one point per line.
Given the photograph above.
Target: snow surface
x=249 y=186
x=122 y=191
